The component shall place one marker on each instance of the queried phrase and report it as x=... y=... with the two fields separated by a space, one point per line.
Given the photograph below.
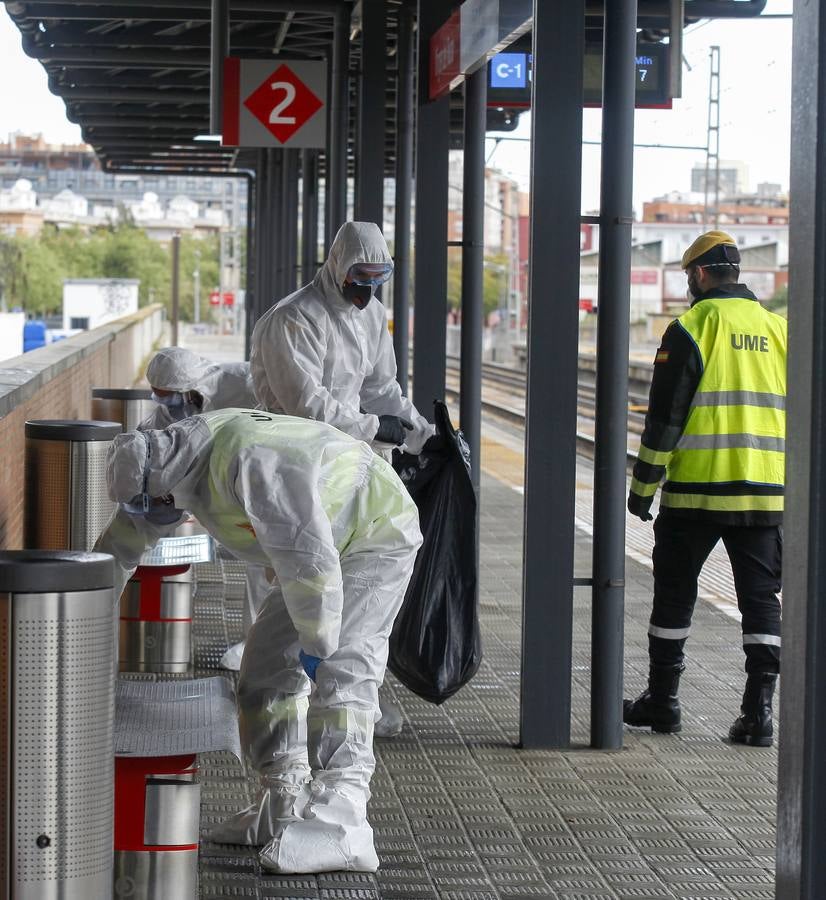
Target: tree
x=494 y=282
x=32 y=269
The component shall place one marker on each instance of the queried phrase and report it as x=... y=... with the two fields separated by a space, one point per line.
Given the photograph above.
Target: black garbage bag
x=435 y=647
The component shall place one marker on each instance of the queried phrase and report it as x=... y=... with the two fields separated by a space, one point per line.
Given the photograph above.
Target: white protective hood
x=356 y=242
x=222 y=385
x=176 y=455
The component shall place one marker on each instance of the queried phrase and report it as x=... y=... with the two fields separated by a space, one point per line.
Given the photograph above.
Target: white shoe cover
x=280 y=800
x=316 y=846
x=391 y=722
x=232 y=658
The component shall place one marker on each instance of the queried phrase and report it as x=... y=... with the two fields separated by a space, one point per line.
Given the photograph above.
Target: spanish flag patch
x=661 y=357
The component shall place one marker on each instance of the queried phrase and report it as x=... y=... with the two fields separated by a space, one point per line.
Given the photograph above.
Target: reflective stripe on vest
x=731 y=456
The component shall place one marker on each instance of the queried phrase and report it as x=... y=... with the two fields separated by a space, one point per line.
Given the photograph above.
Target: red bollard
x=157 y=813
x=156 y=620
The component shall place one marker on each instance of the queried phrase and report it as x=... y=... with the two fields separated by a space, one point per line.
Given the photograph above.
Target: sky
x=755 y=99
x=755 y=103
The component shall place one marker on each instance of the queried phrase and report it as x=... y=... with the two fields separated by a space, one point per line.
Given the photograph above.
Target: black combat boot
x=754 y=726
x=657 y=707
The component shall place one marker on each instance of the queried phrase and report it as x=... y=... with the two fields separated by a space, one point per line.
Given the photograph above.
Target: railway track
x=504 y=388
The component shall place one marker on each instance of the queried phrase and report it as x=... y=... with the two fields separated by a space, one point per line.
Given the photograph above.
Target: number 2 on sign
x=289 y=95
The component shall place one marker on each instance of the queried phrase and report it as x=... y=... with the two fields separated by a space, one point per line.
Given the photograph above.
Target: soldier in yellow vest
x=341 y=533
x=715 y=432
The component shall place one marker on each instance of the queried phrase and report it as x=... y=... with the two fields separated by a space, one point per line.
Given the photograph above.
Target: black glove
x=638 y=506
x=392 y=430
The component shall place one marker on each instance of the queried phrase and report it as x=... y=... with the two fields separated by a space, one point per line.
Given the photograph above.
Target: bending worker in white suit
x=185 y=384
x=341 y=532
x=325 y=353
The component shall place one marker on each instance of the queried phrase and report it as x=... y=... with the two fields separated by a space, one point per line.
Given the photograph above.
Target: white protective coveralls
x=341 y=533
x=221 y=386
x=316 y=355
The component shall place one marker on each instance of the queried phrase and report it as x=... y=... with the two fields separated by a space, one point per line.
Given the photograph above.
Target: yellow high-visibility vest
x=731 y=456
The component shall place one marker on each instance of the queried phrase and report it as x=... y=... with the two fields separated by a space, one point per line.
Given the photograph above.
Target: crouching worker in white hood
x=340 y=531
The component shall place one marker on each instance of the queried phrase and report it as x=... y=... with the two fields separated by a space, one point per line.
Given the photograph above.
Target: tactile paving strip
x=460 y=814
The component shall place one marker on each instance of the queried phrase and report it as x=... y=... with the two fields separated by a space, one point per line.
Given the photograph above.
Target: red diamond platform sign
x=274 y=103
x=283 y=103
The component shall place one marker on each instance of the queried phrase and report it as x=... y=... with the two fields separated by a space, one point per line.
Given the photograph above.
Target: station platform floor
x=459 y=813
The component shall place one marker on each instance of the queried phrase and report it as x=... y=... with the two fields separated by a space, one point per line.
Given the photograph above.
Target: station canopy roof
x=135 y=75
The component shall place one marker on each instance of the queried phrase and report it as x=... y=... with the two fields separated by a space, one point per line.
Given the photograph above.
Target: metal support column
x=369 y=198
x=176 y=286
x=251 y=264
x=263 y=281
x=309 y=214
x=473 y=259
x=336 y=154
x=553 y=334
x=432 y=147
x=274 y=249
x=611 y=415
x=218 y=49
x=404 y=193
x=801 y=794
x=289 y=181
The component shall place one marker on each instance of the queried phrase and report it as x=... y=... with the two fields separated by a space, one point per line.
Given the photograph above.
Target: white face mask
x=170 y=400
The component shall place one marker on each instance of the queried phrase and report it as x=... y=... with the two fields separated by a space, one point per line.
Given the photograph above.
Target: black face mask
x=358 y=294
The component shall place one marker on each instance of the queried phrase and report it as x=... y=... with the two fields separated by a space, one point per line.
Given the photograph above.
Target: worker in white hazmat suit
x=325 y=353
x=185 y=384
x=341 y=533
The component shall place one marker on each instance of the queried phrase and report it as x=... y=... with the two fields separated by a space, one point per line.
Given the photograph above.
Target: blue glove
x=310 y=663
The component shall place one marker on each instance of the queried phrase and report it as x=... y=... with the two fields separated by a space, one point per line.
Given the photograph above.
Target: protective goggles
x=171 y=400
x=373 y=274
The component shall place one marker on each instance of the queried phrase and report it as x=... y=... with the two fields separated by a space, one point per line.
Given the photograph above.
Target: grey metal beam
x=184 y=114
x=553 y=333
x=801 y=794
x=139 y=12
x=290 y=220
x=611 y=416
x=274 y=249
x=430 y=258
x=127 y=95
x=329 y=7
x=250 y=265
x=405 y=70
x=369 y=196
x=335 y=181
x=176 y=285
x=309 y=214
x=218 y=50
x=188 y=125
x=263 y=293
x=111 y=57
x=473 y=258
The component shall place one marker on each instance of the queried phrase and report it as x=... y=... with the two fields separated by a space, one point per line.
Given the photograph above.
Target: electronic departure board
x=509 y=77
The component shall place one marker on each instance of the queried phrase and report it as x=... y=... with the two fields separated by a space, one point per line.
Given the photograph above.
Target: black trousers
x=681 y=546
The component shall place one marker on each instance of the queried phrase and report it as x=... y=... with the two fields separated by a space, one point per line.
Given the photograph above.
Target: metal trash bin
x=156 y=620
x=157 y=815
x=57 y=705
x=67 y=505
x=129 y=406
